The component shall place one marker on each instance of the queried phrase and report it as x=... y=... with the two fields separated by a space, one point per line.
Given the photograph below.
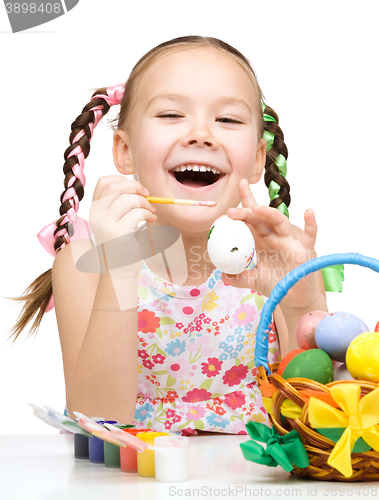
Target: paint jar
x=112 y=452
x=171 y=458
x=96 y=445
x=81 y=446
x=111 y=455
x=128 y=455
x=145 y=460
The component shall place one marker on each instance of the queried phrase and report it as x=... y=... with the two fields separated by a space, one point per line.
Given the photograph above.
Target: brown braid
x=81 y=123
x=271 y=170
x=38 y=294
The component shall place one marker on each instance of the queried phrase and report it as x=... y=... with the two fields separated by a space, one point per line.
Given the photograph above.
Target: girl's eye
x=225 y=119
x=170 y=115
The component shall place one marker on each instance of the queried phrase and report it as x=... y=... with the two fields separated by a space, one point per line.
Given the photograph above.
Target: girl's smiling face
x=194 y=108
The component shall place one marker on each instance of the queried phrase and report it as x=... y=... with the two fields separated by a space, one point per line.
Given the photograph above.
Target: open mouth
x=196 y=179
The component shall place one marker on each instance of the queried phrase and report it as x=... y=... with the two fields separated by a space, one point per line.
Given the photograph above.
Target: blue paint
x=96 y=450
x=96 y=446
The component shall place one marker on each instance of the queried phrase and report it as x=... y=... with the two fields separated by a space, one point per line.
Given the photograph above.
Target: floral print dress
x=196 y=356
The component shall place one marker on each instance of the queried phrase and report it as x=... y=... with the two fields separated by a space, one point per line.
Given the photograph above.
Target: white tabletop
x=43 y=467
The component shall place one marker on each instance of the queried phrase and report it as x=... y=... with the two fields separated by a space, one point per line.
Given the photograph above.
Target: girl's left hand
x=280 y=247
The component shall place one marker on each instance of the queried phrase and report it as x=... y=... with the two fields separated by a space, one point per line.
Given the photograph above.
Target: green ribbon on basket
x=333 y=278
x=285 y=451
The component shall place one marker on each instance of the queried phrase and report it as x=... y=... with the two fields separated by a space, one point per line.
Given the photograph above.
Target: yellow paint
x=146 y=459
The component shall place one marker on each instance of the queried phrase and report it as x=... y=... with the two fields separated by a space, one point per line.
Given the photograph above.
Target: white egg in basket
x=231 y=245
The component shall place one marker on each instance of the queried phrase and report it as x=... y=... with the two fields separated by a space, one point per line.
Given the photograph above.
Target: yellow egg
x=362 y=357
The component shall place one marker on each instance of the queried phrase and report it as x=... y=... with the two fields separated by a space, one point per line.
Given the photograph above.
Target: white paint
x=171 y=459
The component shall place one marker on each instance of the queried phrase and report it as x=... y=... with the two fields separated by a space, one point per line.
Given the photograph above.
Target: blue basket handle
x=282 y=288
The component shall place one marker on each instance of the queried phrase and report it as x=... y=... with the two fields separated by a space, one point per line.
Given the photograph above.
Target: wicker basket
x=276 y=390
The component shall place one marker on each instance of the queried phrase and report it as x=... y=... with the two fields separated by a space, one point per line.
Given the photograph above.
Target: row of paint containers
x=135 y=451
x=168 y=462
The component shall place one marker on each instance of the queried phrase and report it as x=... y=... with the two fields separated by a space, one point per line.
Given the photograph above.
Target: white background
x=317 y=65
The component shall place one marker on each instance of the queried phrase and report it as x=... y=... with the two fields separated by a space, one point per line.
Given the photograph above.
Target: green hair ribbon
x=269 y=137
x=333 y=278
x=280 y=162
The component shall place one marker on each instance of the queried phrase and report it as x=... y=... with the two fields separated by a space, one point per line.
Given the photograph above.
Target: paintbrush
x=179 y=201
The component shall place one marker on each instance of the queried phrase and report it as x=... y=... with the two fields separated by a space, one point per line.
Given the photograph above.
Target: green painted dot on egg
x=313 y=364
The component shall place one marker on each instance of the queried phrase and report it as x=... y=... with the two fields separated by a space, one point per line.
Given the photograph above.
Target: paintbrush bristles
x=210 y=204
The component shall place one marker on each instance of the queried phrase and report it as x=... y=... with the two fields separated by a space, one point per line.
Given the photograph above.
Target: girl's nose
x=200 y=136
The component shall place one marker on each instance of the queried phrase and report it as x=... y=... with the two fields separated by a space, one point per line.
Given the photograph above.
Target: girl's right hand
x=118 y=206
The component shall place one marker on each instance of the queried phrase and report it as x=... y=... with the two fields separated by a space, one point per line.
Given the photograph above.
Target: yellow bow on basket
x=359 y=417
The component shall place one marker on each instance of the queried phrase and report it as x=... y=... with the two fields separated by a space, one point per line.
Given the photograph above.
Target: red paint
x=128 y=455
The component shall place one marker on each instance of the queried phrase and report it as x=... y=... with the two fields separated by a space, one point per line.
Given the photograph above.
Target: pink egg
x=306 y=328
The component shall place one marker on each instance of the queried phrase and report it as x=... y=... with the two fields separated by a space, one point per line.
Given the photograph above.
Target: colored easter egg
x=342 y=373
x=335 y=332
x=306 y=329
x=287 y=358
x=313 y=364
x=362 y=357
x=231 y=245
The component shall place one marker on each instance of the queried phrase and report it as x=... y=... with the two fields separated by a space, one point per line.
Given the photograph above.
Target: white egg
x=231 y=245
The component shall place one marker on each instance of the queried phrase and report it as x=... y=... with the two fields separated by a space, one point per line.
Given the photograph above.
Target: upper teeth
x=197 y=168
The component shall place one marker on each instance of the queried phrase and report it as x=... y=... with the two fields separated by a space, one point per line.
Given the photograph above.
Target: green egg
x=314 y=364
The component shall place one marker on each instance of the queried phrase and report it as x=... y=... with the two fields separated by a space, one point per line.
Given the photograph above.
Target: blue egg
x=335 y=332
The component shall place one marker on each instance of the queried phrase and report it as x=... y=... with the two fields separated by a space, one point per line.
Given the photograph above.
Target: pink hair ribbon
x=50 y=304
x=115 y=94
x=47 y=239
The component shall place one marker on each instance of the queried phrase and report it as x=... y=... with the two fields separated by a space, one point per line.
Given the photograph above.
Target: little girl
x=171 y=347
